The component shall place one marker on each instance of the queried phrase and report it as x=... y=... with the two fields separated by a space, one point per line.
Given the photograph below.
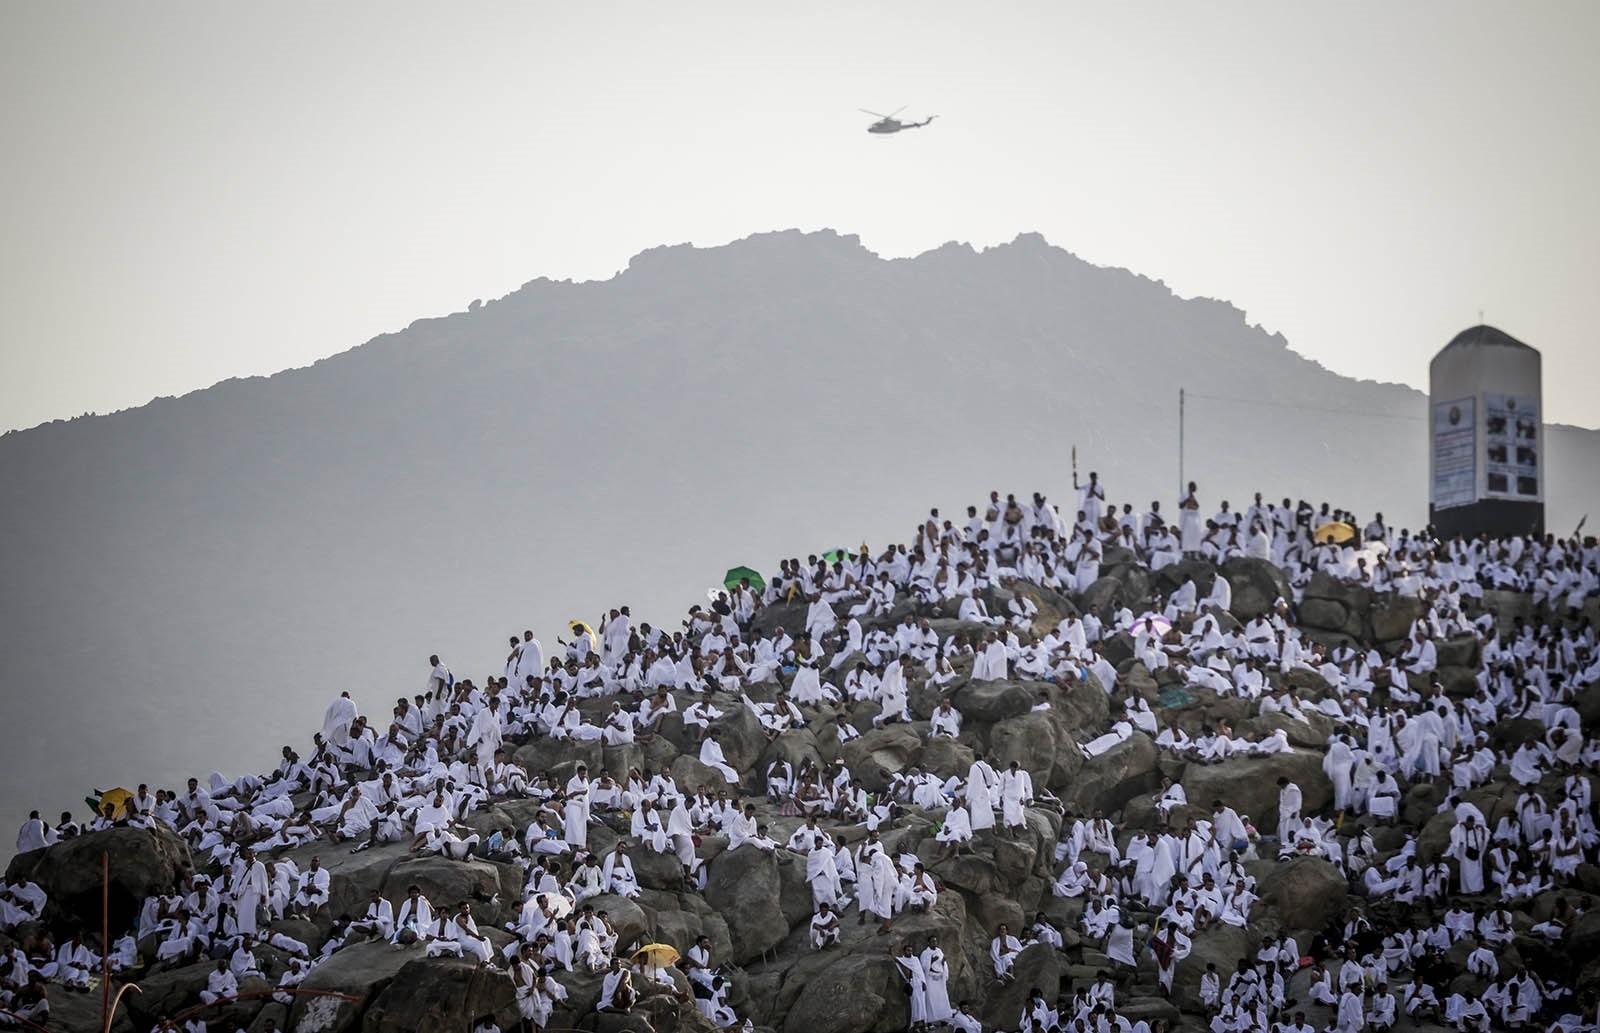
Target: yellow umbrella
x=659 y=955
x=1336 y=532
x=118 y=799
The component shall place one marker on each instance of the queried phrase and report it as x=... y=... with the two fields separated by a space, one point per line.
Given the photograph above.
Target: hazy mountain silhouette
x=188 y=583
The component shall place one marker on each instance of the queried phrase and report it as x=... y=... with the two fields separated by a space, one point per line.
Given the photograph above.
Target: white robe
x=980 y=805
x=990 y=665
x=711 y=756
x=916 y=984
x=1016 y=791
x=823 y=875
x=1475 y=840
x=936 y=975
x=576 y=809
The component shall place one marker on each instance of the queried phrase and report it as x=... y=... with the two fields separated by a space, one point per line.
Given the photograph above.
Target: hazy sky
x=194 y=191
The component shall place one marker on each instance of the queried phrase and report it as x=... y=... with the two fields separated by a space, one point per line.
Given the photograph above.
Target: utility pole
x=1181 y=481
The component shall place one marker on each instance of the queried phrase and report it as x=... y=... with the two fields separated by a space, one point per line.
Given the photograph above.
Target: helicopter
x=889 y=124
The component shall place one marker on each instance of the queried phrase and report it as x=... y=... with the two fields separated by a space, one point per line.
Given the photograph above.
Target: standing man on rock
x=1016 y=792
x=575 y=808
x=1189 y=529
x=439 y=678
x=981 y=781
x=249 y=891
x=1289 y=802
x=1469 y=841
x=1091 y=498
x=936 y=973
x=910 y=968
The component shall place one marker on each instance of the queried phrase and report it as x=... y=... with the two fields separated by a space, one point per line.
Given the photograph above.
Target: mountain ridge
x=646 y=259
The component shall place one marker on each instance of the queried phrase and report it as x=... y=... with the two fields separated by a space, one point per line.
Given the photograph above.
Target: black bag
x=1472 y=853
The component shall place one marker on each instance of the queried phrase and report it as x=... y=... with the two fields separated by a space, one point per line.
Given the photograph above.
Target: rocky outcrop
x=1257 y=586
x=1335 y=612
x=72 y=873
x=744 y=886
x=350 y=980
x=1250 y=785
x=858 y=993
x=1305 y=891
x=755 y=906
x=1109 y=781
x=442 y=994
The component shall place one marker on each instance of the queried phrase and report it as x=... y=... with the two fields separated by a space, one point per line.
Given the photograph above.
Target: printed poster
x=1511 y=447
x=1455 y=471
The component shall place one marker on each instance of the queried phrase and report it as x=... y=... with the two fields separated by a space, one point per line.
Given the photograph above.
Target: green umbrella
x=734 y=576
x=835 y=556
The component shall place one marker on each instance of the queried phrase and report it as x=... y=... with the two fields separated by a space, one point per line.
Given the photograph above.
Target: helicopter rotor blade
x=897 y=111
x=874 y=114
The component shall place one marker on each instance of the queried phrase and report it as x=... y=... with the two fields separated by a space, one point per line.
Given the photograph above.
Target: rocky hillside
x=755 y=906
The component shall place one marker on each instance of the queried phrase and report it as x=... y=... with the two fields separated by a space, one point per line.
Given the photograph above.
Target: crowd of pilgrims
x=418 y=775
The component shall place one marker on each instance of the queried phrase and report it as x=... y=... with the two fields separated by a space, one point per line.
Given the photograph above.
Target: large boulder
x=797 y=746
x=890 y=749
x=791 y=617
x=1113 y=778
x=990 y=701
x=742 y=738
x=1305 y=891
x=1106 y=593
x=627 y=917
x=1392 y=618
x=1250 y=785
x=447 y=883
x=1459 y=651
x=744 y=886
x=618 y=760
x=1134 y=680
x=1221 y=945
x=1509 y=733
x=1117 y=648
x=679 y=921
x=973 y=872
x=1582 y=939
x=1148 y=1010
x=73 y=873
x=1335 y=607
x=857 y=993
x=945 y=756
x=656 y=871
x=1257 y=585
x=441 y=994
x=1312 y=733
x=167 y=992
x=351 y=877
x=1173 y=576
x=70 y=1012
x=690 y=775
x=1083 y=706
x=345 y=983
x=1038 y=966
x=1053 y=606
x=1330 y=615
x=1507 y=606
x=1030 y=740
x=1458 y=682
x=560 y=757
